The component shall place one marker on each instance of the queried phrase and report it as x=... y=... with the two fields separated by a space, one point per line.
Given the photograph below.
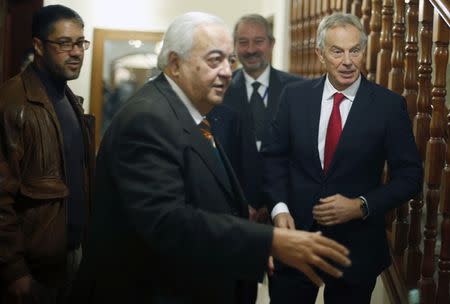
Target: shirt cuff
x=279 y=208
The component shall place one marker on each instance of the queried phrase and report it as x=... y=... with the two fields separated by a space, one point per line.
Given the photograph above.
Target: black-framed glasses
x=67 y=46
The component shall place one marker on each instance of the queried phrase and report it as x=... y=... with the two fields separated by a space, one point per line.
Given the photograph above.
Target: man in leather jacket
x=46 y=160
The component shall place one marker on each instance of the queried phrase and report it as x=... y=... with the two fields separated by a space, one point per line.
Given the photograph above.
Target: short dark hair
x=47 y=16
x=255 y=19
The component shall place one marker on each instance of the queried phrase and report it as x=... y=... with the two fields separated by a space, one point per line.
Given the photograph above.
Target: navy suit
x=232 y=123
x=377 y=130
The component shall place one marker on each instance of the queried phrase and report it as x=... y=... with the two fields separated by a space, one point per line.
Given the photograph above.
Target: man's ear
x=174 y=64
x=38 y=46
x=320 y=55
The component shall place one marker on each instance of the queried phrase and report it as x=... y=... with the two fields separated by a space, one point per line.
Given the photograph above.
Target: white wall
x=156 y=15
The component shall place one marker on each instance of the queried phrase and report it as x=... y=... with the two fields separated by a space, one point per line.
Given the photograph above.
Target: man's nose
x=225 y=71
x=76 y=51
x=347 y=60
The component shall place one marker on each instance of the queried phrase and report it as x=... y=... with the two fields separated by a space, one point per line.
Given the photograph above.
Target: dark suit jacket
x=233 y=124
x=377 y=130
x=165 y=226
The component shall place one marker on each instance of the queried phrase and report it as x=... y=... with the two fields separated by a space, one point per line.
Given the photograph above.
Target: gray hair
x=339 y=19
x=180 y=34
x=256 y=19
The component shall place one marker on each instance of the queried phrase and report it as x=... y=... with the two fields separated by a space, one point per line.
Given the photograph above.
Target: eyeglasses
x=67 y=46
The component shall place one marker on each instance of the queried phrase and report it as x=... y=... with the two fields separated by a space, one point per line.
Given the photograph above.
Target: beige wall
x=156 y=15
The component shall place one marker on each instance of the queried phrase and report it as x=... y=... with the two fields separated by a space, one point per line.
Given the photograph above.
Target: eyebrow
x=69 y=38
x=352 y=47
x=216 y=51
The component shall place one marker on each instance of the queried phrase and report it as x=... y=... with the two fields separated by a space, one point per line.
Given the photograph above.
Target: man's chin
x=254 y=67
x=72 y=76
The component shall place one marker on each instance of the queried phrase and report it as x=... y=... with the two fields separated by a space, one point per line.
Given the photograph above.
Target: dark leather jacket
x=32 y=188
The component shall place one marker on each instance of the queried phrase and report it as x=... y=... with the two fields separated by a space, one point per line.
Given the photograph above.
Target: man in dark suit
x=328 y=145
x=169 y=224
x=242 y=122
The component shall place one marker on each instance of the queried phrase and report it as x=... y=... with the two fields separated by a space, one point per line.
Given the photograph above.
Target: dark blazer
x=165 y=226
x=377 y=130
x=233 y=124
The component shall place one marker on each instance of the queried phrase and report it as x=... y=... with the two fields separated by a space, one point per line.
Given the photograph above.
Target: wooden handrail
x=443 y=8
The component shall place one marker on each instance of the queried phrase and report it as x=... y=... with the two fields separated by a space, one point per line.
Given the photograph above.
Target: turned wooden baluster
x=413 y=254
x=373 y=44
x=312 y=39
x=293 y=32
x=326 y=10
x=338 y=6
x=434 y=163
x=347 y=6
x=365 y=18
x=443 y=294
x=327 y=6
x=306 y=37
x=365 y=21
x=300 y=37
x=411 y=50
x=356 y=8
x=299 y=49
x=319 y=16
x=423 y=116
x=395 y=83
x=395 y=78
x=384 y=56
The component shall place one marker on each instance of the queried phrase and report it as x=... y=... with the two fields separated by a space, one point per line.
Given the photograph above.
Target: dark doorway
x=15 y=34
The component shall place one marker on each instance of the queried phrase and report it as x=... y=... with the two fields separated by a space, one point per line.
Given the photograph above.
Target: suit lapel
x=356 y=116
x=196 y=140
x=314 y=105
x=274 y=86
x=238 y=96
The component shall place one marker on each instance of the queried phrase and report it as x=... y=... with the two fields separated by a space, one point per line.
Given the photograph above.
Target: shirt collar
x=350 y=92
x=186 y=101
x=262 y=79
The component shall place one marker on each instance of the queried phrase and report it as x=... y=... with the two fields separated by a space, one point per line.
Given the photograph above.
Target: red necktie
x=334 y=131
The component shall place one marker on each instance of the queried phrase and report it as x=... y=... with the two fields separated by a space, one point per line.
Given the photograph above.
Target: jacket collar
x=197 y=142
x=36 y=93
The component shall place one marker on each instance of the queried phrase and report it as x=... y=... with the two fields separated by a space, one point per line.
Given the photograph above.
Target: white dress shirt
x=187 y=102
x=325 y=113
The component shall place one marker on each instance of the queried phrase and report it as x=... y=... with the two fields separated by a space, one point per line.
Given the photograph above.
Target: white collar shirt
x=327 y=107
x=263 y=79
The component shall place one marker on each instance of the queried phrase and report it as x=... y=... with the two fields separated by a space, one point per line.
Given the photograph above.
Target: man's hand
x=251 y=213
x=270 y=266
x=337 y=209
x=284 y=220
x=259 y=216
x=23 y=291
x=305 y=250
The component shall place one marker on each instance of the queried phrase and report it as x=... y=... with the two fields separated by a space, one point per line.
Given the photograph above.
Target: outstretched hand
x=306 y=250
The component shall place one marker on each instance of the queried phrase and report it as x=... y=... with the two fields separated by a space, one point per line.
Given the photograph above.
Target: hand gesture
x=337 y=209
x=305 y=250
